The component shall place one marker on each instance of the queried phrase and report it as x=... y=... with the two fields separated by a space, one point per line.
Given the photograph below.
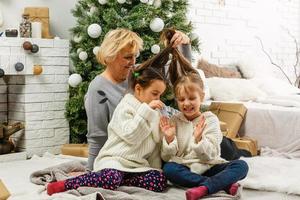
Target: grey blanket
x=60 y=172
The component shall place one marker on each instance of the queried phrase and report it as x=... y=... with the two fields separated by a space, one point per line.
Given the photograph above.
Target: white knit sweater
x=200 y=156
x=133 y=143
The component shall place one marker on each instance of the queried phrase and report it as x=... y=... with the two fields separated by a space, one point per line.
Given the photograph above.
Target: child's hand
x=156 y=104
x=167 y=128
x=199 y=129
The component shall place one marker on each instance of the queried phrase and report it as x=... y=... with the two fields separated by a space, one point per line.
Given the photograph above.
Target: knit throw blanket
x=60 y=172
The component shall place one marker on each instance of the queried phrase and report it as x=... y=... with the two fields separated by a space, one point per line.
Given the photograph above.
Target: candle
x=36 y=28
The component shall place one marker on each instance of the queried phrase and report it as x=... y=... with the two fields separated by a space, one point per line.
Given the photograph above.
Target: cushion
x=212 y=70
x=206 y=89
x=233 y=89
x=256 y=64
x=274 y=87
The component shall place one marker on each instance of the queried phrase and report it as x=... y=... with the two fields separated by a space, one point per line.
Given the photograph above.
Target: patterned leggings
x=111 y=179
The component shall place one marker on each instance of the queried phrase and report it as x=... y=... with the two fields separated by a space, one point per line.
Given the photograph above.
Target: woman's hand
x=156 y=104
x=179 y=38
x=199 y=129
x=168 y=129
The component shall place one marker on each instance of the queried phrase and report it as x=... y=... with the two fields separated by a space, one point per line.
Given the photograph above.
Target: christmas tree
x=94 y=19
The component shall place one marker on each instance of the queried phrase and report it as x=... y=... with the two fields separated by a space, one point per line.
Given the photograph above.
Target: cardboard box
x=230 y=113
x=4 y=193
x=223 y=127
x=40 y=14
x=81 y=150
x=248 y=144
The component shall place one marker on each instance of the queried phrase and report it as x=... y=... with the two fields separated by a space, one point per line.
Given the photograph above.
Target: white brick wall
x=228 y=32
x=37 y=100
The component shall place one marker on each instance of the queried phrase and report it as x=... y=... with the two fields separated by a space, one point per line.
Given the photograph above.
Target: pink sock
x=56 y=187
x=196 y=193
x=233 y=189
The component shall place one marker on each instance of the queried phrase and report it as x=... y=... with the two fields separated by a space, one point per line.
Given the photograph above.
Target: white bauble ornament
x=144 y=1
x=157 y=24
x=102 y=2
x=74 y=80
x=83 y=55
x=94 y=30
x=193 y=36
x=155 y=49
x=175 y=0
x=79 y=50
x=95 y=50
x=157 y=3
x=93 y=10
x=77 y=38
x=121 y=1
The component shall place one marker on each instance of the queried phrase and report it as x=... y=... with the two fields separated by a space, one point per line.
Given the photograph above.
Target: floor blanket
x=60 y=172
x=273 y=174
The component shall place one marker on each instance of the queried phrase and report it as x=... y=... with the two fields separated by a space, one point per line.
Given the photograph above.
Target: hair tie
x=136 y=74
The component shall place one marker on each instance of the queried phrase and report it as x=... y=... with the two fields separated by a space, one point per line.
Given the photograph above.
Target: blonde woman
x=118 y=53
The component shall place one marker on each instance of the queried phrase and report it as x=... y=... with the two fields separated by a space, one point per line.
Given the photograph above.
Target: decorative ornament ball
x=94 y=30
x=93 y=9
x=35 y=48
x=102 y=2
x=37 y=69
x=79 y=50
x=144 y=1
x=193 y=36
x=19 y=66
x=74 y=80
x=77 y=38
x=157 y=24
x=121 y=1
x=83 y=55
x=155 y=49
x=2 y=73
x=175 y=0
x=157 y=3
x=27 y=46
x=95 y=50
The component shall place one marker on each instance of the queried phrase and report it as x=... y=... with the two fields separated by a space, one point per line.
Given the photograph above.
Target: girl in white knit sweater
x=191 y=142
x=131 y=155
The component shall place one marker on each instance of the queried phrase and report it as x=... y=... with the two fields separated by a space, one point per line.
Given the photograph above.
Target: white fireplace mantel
x=37 y=100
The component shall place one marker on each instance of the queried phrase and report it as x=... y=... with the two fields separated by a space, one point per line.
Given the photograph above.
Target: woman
x=117 y=53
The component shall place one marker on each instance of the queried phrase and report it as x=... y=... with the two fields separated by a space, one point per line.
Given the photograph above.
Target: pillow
x=205 y=86
x=212 y=70
x=253 y=65
x=224 y=89
x=274 y=87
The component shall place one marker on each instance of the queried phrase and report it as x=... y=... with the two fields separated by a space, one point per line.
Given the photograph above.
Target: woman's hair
x=116 y=40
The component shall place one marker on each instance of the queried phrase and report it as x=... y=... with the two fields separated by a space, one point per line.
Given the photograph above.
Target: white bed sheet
x=276 y=127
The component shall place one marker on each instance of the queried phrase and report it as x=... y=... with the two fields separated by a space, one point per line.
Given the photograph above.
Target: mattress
x=276 y=127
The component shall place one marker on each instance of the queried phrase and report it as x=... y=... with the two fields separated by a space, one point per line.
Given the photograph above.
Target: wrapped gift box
x=81 y=150
x=230 y=113
x=4 y=193
x=246 y=143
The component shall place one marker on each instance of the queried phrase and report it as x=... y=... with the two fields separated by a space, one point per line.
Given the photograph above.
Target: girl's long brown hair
x=179 y=65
